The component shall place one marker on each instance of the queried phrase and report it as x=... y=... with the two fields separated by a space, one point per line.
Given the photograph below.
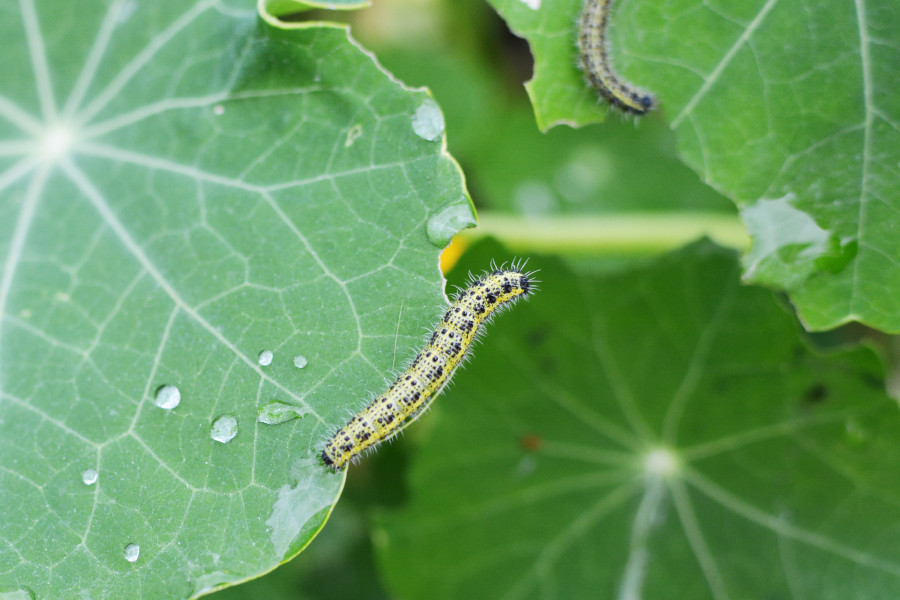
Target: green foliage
x=778 y=105
x=185 y=186
x=218 y=187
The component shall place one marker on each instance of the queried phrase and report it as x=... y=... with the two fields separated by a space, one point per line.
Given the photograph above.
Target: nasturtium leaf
x=663 y=432
x=781 y=107
x=194 y=203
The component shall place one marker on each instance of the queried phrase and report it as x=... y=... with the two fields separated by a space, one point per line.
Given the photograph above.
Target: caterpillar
x=596 y=64
x=414 y=390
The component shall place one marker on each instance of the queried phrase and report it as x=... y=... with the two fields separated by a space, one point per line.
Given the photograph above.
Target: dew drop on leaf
x=132 y=551
x=224 y=429
x=168 y=397
x=89 y=476
x=265 y=358
x=275 y=412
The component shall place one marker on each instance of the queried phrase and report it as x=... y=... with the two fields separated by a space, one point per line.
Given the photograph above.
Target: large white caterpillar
x=418 y=385
x=593 y=47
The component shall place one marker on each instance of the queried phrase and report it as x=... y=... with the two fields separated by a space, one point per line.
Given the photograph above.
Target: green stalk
x=617 y=234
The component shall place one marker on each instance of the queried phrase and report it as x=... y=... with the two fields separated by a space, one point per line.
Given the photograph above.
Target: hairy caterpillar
x=429 y=372
x=596 y=64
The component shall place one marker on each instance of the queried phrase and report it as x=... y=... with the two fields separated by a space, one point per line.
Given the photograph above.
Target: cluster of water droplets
x=223 y=429
x=266 y=357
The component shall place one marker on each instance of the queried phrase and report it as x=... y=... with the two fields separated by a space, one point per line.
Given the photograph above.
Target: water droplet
x=265 y=358
x=447 y=223
x=132 y=551
x=168 y=397
x=276 y=412
x=89 y=476
x=300 y=361
x=428 y=122
x=224 y=429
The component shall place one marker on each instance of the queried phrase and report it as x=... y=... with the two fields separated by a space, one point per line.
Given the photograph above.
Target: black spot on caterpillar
x=414 y=390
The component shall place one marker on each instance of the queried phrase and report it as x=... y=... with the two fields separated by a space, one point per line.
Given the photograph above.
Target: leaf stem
x=618 y=234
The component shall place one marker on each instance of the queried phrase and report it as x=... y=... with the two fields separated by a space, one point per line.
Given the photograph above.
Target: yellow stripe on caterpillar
x=593 y=47
x=432 y=368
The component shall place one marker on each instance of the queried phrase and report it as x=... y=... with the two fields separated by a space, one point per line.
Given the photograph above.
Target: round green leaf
x=660 y=433
x=201 y=214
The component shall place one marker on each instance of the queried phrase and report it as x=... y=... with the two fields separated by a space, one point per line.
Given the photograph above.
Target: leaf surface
x=185 y=187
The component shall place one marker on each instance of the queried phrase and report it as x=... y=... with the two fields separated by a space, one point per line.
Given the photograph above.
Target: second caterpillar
x=593 y=46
